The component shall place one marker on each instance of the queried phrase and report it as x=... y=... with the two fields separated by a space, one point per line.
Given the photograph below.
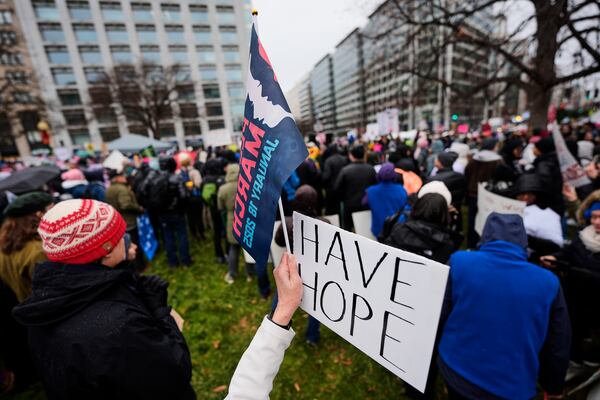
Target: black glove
x=153 y=290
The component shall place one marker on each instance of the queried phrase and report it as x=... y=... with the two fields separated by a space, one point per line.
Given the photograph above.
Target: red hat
x=80 y=231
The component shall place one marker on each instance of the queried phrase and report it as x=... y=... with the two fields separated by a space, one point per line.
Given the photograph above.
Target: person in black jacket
x=426 y=232
x=331 y=169
x=352 y=182
x=455 y=182
x=96 y=331
x=547 y=168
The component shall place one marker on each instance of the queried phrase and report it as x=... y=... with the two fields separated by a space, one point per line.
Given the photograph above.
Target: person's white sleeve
x=254 y=375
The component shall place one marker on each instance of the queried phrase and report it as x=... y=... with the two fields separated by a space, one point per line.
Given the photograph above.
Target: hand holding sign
x=289 y=289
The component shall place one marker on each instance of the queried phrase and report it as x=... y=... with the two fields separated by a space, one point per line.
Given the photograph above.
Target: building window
x=117 y=33
x=236 y=91
x=17 y=77
x=199 y=14
x=166 y=130
x=236 y=108
x=146 y=33
x=85 y=33
x=90 y=54
x=8 y=38
x=111 y=11
x=63 y=76
x=231 y=55
x=79 y=137
x=94 y=75
x=150 y=54
x=216 y=124
x=43 y=11
x=121 y=54
x=52 y=33
x=202 y=34
x=58 y=55
x=192 y=129
x=214 y=109
x=175 y=34
x=183 y=74
x=206 y=55
x=211 y=91
x=186 y=93
x=105 y=116
x=138 y=130
x=188 y=111
x=79 y=10
x=171 y=12
x=69 y=97
x=142 y=12
x=75 y=117
x=109 y=134
x=11 y=59
x=228 y=35
x=208 y=73
x=22 y=97
x=233 y=73
x=225 y=15
x=179 y=54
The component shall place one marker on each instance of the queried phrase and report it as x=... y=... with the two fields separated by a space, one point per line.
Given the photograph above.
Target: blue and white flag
x=272 y=148
x=148 y=241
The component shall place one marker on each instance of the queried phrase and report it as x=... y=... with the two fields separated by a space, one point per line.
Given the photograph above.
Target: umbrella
x=29 y=179
x=134 y=143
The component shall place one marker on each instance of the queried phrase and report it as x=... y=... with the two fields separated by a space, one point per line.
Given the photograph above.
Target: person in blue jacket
x=505 y=324
x=385 y=198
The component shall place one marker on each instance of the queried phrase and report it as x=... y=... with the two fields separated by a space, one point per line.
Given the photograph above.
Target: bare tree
x=545 y=43
x=146 y=94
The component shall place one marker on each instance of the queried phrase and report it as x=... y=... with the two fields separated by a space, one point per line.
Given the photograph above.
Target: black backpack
x=156 y=191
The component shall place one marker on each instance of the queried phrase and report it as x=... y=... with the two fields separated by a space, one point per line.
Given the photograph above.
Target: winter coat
x=481 y=169
x=384 y=199
x=93 y=337
x=352 y=182
x=585 y=204
x=425 y=239
x=16 y=269
x=84 y=190
x=498 y=338
x=331 y=169
x=226 y=198
x=547 y=168
x=122 y=198
x=455 y=182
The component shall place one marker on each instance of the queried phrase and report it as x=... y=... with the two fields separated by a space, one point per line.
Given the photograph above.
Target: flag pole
x=284 y=227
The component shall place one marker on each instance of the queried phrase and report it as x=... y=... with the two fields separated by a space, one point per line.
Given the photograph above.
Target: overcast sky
x=296 y=34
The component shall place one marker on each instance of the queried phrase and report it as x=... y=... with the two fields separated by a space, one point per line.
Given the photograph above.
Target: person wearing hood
x=580 y=261
x=462 y=149
x=547 y=168
x=99 y=332
x=454 y=181
x=498 y=340
x=331 y=169
x=20 y=251
x=480 y=169
x=437 y=147
x=426 y=232
x=226 y=204
x=75 y=184
x=385 y=198
x=542 y=224
x=512 y=152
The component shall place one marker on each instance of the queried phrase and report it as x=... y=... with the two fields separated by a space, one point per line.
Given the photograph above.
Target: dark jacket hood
x=505 y=227
x=423 y=235
x=62 y=290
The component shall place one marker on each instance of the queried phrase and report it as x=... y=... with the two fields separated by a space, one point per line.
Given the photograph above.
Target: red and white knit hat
x=80 y=231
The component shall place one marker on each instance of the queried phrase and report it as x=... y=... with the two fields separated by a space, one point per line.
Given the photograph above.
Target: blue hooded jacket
x=506 y=323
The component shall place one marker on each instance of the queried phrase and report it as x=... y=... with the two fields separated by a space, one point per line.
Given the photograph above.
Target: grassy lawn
x=221 y=320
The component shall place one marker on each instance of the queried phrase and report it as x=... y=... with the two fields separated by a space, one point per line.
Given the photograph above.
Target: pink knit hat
x=80 y=231
x=73 y=175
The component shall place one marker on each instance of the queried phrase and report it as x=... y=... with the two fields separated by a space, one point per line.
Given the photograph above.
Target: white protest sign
x=384 y=301
x=115 y=161
x=572 y=172
x=217 y=137
x=488 y=202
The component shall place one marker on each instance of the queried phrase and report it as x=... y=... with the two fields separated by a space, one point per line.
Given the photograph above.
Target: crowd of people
x=521 y=305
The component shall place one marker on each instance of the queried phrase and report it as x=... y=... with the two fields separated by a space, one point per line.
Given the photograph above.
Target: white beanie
x=436 y=187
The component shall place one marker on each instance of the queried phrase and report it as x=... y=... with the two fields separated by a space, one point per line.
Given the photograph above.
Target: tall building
x=75 y=43
x=323 y=96
x=20 y=106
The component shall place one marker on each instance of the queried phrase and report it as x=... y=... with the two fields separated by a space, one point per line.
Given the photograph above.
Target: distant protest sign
x=217 y=137
x=488 y=202
x=384 y=301
x=572 y=172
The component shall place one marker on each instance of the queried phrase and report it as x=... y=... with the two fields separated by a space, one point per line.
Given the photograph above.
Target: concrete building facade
x=73 y=42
